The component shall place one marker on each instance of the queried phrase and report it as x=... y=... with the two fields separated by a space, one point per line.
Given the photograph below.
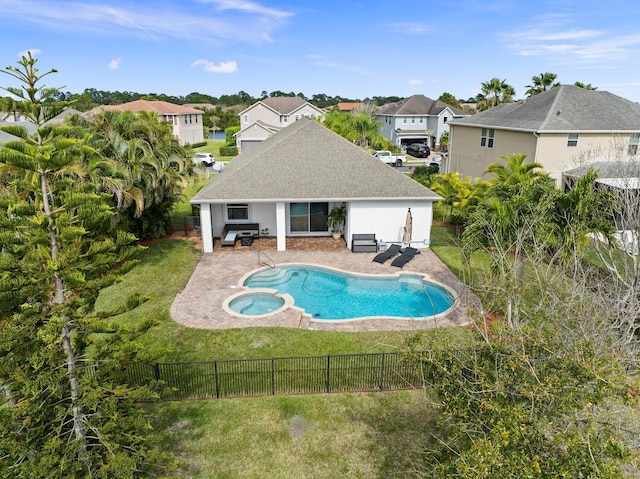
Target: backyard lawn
x=367 y=435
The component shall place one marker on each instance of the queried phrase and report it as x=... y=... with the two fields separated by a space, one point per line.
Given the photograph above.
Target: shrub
x=228 y=151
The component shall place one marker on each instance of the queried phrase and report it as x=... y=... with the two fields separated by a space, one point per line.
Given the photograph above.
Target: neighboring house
x=186 y=121
x=291 y=181
x=562 y=128
x=349 y=106
x=268 y=116
x=416 y=119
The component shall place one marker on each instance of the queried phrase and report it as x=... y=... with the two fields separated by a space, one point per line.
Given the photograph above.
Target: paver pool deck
x=217 y=277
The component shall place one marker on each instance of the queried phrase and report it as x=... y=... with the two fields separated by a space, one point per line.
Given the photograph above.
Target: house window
x=285 y=118
x=634 y=139
x=245 y=118
x=413 y=120
x=445 y=119
x=404 y=120
x=237 y=211
x=572 y=139
x=185 y=119
x=421 y=119
x=297 y=117
x=308 y=217
x=190 y=118
x=169 y=118
x=486 y=139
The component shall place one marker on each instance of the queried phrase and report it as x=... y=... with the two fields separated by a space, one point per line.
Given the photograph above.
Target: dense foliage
x=64 y=409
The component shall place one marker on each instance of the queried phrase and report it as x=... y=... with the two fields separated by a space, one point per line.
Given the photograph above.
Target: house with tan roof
x=292 y=180
x=416 y=119
x=268 y=116
x=186 y=121
x=562 y=128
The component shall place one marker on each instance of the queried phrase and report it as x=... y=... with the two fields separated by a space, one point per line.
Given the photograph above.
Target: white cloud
x=114 y=64
x=233 y=21
x=410 y=28
x=34 y=52
x=416 y=81
x=223 y=67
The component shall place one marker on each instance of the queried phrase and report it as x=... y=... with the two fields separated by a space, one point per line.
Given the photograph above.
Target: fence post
x=273 y=377
x=184 y=225
x=156 y=371
x=215 y=374
x=382 y=372
x=328 y=389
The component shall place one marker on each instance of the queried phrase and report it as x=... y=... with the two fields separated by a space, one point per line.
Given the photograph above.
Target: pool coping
x=217 y=276
x=289 y=301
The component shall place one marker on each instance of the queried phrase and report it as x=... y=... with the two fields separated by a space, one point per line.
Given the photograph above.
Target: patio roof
x=307 y=161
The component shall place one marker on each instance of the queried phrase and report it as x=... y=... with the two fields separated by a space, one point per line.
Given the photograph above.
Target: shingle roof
x=564 y=108
x=160 y=107
x=284 y=104
x=307 y=161
x=416 y=105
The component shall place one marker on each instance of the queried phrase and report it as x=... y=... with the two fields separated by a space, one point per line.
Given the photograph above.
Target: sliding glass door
x=308 y=217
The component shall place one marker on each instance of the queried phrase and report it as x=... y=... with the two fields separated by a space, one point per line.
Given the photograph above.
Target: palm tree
x=494 y=93
x=586 y=86
x=542 y=82
x=515 y=170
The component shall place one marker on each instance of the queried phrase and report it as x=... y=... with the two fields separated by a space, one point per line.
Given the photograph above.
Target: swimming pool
x=330 y=294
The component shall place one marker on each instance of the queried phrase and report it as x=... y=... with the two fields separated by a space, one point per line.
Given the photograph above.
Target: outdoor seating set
x=406 y=255
x=245 y=232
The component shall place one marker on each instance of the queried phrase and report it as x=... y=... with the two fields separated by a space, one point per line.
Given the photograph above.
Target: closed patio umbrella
x=406 y=237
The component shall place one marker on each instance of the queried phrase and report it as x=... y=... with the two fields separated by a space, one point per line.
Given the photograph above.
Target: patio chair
x=406 y=256
x=391 y=251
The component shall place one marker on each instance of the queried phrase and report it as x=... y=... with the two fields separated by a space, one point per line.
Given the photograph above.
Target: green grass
x=375 y=435
x=213 y=146
x=165 y=268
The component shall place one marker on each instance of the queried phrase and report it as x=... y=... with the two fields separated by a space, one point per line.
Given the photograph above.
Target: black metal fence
x=278 y=376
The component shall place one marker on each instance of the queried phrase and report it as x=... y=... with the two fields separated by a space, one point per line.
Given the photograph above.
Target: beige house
x=268 y=116
x=562 y=128
x=290 y=182
x=186 y=121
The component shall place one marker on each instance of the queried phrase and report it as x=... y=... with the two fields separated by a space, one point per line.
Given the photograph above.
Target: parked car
x=205 y=159
x=389 y=158
x=418 y=150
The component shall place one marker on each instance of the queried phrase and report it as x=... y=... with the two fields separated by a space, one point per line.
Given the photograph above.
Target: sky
x=353 y=49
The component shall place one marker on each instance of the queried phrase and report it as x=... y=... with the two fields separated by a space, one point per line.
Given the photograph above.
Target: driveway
x=218 y=275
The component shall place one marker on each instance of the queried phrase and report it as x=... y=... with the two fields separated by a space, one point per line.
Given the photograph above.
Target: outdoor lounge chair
x=391 y=251
x=406 y=256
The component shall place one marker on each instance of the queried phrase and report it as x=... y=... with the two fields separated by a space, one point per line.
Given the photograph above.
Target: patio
x=216 y=277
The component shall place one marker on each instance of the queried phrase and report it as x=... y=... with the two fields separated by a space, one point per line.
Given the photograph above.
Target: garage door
x=248 y=144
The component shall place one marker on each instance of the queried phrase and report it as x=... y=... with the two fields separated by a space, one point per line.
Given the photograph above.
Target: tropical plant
x=64 y=411
x=586 y=86
x=540 y=83
x=336 y=218
x=493 y=93
x=451 y=100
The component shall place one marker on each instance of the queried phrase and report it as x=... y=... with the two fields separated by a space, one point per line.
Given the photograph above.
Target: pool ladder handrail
x=264 y=263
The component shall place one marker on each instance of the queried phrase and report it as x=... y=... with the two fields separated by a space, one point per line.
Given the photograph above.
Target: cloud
x=243 y=21
x=410 y=28
x=222 y=67
x=114 y=64
x=416 y=81
x=34 y=52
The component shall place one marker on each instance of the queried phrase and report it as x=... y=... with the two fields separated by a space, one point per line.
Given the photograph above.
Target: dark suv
x=418 y=150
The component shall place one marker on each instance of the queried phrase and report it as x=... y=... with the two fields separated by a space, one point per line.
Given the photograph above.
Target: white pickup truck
x=390 y=159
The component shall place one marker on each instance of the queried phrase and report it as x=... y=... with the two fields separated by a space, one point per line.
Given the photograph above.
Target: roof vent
x=558 y=112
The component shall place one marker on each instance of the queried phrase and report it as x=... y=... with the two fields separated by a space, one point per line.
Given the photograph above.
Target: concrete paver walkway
x=217 y=277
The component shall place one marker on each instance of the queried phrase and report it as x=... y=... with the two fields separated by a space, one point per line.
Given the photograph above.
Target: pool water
x=333 y=295
x=255 y=304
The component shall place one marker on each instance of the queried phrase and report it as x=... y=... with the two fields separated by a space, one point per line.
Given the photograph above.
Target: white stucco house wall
x=186 y=121
x=416 y=119
x=290 y=181
x=266 y=117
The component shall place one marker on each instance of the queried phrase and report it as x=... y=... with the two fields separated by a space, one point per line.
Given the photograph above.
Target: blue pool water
x=328 y=294
x=254 y=304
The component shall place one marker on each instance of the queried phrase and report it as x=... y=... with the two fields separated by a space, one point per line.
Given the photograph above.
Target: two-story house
x=186 y=121
x=416 y=119
x=268 y=116
x=562 y=128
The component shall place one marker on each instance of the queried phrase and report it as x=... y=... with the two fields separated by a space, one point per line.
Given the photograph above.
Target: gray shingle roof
x=284 y=104
x=307 y=161
x=565 y=108
x=416 y=105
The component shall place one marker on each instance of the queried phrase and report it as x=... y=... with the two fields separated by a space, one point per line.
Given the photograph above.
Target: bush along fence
x=183 y=224
x=278 y=376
